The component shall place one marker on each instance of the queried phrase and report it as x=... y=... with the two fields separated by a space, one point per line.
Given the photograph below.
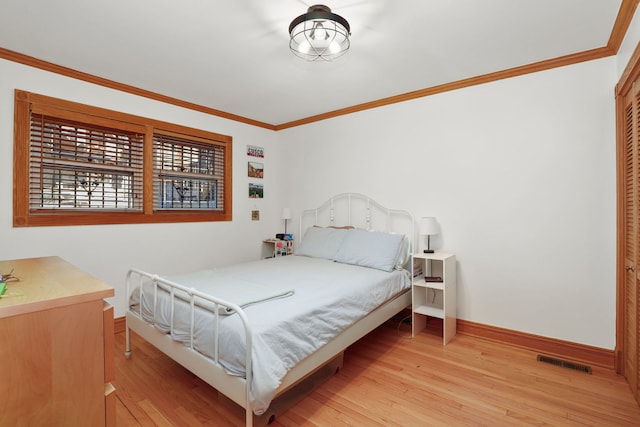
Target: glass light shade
x=319 y=35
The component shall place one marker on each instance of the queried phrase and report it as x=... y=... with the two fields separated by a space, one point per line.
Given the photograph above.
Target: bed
x=288 y=318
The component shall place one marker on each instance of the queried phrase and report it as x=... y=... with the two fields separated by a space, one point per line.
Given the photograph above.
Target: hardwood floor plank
x=389 y=379
x=123 y=416
x=154 y=414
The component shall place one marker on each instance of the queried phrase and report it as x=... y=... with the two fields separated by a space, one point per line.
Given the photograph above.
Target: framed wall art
x=256 y=191
x=255 y=170
x=255 y=151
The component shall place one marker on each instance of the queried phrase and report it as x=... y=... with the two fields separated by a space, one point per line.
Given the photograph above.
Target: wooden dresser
x=56 y=346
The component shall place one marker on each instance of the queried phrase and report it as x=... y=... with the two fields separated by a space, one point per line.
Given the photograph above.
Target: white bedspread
x=328 y=297
x=227 y=288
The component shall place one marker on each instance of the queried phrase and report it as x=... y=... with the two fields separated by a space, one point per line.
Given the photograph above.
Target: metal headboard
x=359 y=211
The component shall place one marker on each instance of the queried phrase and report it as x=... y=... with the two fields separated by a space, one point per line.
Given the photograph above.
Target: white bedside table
x=433 y=292
x=277 y=247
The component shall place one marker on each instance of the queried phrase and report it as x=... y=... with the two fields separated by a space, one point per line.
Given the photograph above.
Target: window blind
x=188 y=173
x=81 y=166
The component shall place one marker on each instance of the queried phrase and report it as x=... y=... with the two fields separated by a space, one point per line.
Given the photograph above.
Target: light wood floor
x=389 y=379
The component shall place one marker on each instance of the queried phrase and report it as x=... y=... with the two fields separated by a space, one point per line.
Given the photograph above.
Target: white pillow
x=371 y=249
x=405 y=255
x=321 y=242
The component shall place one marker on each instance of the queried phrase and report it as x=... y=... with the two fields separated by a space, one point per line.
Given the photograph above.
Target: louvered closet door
x=631 y=218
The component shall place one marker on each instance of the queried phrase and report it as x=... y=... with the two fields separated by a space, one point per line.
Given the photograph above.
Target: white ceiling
x=233 y=55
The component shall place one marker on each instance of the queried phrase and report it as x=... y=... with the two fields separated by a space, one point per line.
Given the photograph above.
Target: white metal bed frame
x=359 y=211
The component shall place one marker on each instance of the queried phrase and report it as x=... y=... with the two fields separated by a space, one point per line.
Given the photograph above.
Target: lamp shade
x=319 y=34
x=429 y=226
x=286 y=213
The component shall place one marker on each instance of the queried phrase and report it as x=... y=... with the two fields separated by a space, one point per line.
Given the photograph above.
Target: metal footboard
x=135 y=280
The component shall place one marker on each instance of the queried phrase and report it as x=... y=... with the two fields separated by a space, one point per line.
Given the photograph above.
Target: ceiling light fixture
x=319 y=34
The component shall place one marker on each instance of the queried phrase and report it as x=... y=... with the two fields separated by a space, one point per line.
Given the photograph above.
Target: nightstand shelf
x=433 y=292
x=428 y=310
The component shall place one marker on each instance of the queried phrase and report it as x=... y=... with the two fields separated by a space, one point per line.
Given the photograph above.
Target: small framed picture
x=256 y=170
x=256 y=191
x=255 y=151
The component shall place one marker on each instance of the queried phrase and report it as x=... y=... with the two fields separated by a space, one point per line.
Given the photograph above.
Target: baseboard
x=548 y=346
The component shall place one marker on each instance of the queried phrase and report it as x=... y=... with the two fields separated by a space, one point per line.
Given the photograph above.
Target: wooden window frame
x=24 y=216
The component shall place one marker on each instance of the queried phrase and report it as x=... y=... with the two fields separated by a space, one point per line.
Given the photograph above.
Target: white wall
x=520 y=173
x=107 y=252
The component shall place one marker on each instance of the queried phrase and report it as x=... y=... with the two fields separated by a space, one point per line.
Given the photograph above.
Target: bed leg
x=127 y=343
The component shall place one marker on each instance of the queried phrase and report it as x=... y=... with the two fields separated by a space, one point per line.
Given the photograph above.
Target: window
x=76 y=164
x=79 y=166
x=188 y=173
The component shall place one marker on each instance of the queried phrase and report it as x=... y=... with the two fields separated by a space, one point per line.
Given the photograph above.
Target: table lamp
x=286 y=215
x=429 y=227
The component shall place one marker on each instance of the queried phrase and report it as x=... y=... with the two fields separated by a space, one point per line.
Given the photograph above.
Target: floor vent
x=565 y=364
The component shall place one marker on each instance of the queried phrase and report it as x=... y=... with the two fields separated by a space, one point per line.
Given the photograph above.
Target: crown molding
x=621 y=25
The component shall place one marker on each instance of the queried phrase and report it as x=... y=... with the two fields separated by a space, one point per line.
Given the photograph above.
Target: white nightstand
x=276 y=247
x=433 y=292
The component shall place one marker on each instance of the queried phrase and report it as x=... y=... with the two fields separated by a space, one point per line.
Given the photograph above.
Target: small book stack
x=417 y=269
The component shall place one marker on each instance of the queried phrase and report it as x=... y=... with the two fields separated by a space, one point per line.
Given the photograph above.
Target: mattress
x=326 y=298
